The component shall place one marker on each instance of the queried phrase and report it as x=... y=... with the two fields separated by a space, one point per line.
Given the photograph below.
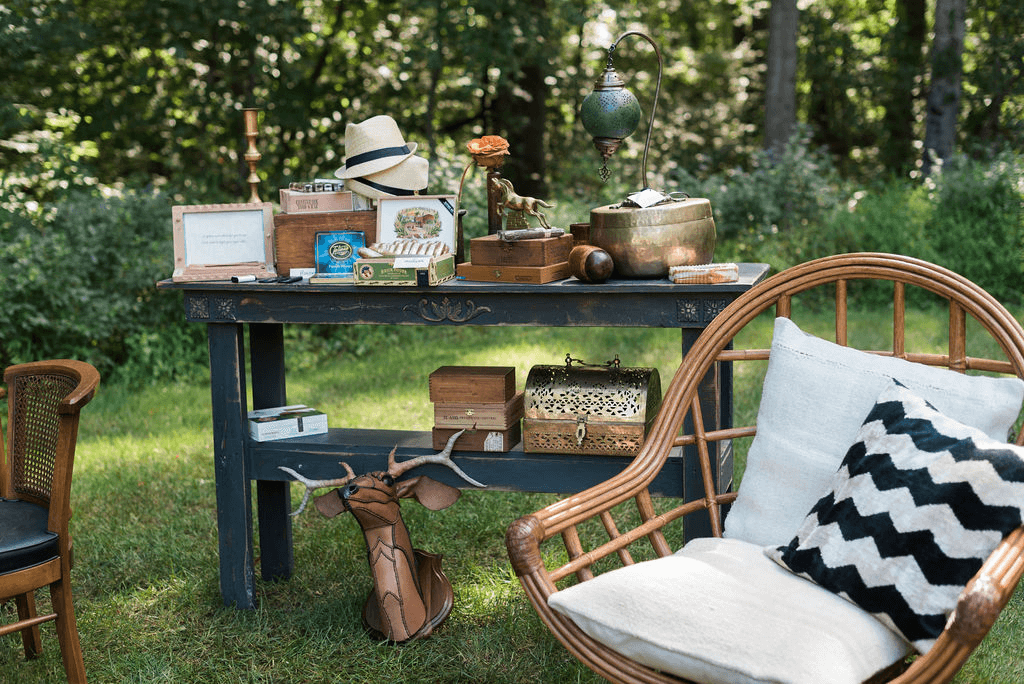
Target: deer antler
x=318 y=484
x=442 y=458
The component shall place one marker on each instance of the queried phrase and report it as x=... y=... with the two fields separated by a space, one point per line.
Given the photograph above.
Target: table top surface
x=749 y=274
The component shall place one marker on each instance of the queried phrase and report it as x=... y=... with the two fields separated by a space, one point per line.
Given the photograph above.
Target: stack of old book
x=536 y=260
x=482 y=400
x=320 y=207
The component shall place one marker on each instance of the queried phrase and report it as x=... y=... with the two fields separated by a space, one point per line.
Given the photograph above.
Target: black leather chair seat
x=24 y=539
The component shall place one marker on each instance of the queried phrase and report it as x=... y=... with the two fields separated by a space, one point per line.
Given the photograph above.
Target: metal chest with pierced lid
x=581 y=408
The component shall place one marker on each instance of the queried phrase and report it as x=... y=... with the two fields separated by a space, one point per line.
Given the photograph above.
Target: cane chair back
x=555 y=547
x=44 y=400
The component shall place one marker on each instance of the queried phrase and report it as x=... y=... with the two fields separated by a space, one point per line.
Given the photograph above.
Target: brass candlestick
x=252 y=155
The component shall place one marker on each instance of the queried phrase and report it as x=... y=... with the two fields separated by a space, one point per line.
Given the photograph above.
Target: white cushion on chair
x=815 y=397
x=720 y=611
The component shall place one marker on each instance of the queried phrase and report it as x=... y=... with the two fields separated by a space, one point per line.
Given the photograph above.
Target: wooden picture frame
x=219 y=241
x=426 y=218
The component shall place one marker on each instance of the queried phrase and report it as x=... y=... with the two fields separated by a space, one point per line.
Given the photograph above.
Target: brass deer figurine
x=411 y=595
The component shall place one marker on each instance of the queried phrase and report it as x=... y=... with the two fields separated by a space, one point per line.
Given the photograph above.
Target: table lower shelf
x=319 y=456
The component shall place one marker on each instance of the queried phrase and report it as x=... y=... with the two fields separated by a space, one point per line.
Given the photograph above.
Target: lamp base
x=645 y=242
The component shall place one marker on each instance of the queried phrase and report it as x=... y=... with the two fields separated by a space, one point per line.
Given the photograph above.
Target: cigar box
x=283 y=422
x=479 y=440
x=295 y=234
x=482 y=416
x=513 y=274
x=492 y=251
x=295 y=202
x=472 y=384
x=422 y=271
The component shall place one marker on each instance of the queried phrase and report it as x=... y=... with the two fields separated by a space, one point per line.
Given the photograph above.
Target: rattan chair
x=44 y=400
x=547 y=548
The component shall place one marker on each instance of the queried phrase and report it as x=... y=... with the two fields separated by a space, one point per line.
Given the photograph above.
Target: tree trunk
x=944 y=94
x=905 y=49
x=780 y=95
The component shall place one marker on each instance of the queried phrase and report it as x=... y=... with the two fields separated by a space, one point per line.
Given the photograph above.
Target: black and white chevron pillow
x=917 y=505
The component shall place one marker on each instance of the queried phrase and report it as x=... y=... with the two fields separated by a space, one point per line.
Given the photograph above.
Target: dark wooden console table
x=228 y=308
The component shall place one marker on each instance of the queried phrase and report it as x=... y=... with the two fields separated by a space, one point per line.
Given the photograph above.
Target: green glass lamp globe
x=610 y=113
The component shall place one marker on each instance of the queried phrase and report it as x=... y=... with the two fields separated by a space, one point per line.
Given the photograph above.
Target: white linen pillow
x=815 y=397
x=720 y=612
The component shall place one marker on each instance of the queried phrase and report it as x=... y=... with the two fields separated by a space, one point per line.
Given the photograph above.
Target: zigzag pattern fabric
x=919 y=502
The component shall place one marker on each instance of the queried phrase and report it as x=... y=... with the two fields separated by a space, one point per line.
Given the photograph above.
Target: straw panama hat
x=405 y=178
x=373 y=145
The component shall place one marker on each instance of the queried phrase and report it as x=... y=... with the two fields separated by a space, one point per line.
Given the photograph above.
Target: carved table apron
x=227 y=309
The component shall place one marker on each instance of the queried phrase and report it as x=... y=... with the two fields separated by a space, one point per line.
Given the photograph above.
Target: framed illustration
x=421 y=218
x=218 y=241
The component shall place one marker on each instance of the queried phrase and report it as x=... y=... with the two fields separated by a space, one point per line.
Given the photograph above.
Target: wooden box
x=513 y=274
x=295 y=234
x=589 y=409
x=472 y=384
x=491 y=251
x=295 y=202
x=420 y=271
x=482 y=416
x=479 y=440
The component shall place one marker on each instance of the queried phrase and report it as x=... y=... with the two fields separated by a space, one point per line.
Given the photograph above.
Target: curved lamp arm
x=657 y=93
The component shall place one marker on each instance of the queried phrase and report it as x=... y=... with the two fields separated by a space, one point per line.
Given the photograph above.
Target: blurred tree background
x=147 y=92
x=110 y=99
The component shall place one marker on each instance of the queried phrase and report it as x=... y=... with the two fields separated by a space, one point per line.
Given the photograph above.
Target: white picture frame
x=424 y=218
x=219 y=241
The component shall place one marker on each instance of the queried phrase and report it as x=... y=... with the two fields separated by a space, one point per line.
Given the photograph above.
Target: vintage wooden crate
x=479 y=415
x=492 y=251
x=295 y=202
x=535 y=275
x=294 y=234
x=479 y=440
x=472 y=384
x=580 y=408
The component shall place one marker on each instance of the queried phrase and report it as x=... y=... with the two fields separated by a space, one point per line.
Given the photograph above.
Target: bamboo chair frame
x=980 y=602
x=44 y=401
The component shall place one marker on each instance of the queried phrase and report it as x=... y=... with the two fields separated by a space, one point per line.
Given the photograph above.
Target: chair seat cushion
x=815 y=396
x=918 y=504
x=719 y=610
x=24 y=539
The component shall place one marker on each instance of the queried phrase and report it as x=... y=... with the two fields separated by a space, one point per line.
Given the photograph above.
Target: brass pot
x=643 y=243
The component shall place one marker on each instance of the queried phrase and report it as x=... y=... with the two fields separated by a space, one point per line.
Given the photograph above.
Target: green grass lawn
x=146 y=575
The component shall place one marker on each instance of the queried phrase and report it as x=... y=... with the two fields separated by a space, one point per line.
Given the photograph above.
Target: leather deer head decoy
x=411 y=595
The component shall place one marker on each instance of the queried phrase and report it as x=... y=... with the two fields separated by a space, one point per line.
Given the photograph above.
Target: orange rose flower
x=489 y=145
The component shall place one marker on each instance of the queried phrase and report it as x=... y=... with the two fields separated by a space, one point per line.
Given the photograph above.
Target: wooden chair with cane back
x=601 y=567
x=44 y=399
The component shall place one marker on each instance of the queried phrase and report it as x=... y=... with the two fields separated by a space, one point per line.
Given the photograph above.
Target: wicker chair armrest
x=976 y=611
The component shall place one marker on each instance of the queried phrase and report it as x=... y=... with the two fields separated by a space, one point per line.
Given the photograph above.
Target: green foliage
x=977 y=226
x=79 y=282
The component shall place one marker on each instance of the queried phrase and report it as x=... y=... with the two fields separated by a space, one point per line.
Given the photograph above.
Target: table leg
x=231 y=468
x=273 y=498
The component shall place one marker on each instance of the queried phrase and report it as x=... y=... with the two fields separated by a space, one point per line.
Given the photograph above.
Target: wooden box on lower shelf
x=483 y=416
x=489 y=250
x=479 y=440
x=472 y=384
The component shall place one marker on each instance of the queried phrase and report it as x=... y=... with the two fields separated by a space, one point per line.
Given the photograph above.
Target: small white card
x=412 y=261
x=647 y=198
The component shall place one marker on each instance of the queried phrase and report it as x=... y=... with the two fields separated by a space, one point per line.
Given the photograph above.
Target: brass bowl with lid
x=645 y=242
